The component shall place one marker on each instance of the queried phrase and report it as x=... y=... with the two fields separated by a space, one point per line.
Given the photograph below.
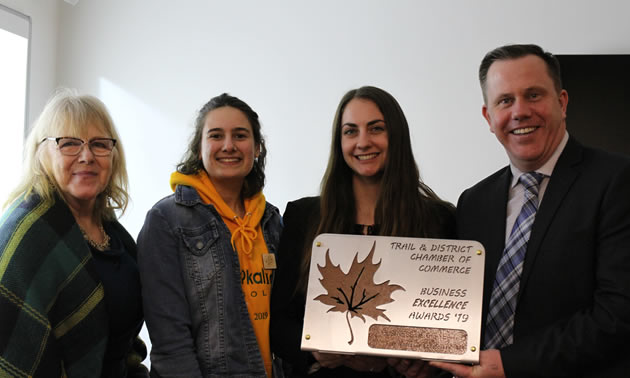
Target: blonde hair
x=67 y=114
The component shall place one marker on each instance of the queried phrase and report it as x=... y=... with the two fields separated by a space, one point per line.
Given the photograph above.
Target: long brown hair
x=402 y=208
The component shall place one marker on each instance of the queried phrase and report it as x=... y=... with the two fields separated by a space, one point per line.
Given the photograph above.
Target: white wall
x=44 y=18
x=154 y=63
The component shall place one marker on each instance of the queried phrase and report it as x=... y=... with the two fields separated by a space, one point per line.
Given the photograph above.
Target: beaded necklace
x=104 y=245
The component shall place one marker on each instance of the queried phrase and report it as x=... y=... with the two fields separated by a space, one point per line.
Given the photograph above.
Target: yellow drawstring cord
x=246 y=234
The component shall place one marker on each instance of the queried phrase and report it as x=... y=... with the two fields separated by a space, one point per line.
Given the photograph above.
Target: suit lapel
x=562 y=177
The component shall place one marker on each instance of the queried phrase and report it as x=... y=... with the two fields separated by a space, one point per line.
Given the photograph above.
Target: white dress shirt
x=516 y=198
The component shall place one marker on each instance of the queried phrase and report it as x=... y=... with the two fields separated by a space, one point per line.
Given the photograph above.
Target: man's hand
x=490 y=366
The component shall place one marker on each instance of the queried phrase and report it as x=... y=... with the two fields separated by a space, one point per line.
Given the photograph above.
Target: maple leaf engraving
x=355 y=293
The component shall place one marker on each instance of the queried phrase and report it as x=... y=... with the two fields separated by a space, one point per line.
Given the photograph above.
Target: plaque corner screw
x=479 y=252
x=319 y=244
x=473 y=349
x=307 y=337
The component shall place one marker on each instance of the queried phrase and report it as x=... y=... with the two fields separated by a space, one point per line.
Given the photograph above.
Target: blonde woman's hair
x=68 y=114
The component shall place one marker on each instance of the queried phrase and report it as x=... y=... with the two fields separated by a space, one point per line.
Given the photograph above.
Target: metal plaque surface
x=395 y=297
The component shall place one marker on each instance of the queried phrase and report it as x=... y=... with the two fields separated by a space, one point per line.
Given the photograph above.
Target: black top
x=118 y=271
x=287 y=309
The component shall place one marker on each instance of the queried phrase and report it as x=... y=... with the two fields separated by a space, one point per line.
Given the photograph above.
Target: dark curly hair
x=191 y=164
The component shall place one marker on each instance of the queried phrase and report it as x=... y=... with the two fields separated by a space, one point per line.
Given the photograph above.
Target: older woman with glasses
x=69 y=284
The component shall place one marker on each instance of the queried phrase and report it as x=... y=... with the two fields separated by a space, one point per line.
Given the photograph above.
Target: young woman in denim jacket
x=207 y=253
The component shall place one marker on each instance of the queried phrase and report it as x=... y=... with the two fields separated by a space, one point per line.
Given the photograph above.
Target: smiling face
x=228 y=148
x=525 y=111
x=364 y=138
x=82 y=177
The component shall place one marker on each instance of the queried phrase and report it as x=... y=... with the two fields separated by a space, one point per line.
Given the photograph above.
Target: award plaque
x=395 y=297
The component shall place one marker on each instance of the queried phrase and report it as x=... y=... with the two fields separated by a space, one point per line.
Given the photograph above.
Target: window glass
x=14 y=48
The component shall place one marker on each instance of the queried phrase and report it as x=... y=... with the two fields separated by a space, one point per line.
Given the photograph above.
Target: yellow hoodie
x=247 y=240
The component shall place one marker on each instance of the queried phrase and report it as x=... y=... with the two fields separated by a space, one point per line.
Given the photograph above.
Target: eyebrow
x=86 y=140
x=526 y=90
x=536 y=88
x=369 y=123
x=240 y=129
x=501 y=96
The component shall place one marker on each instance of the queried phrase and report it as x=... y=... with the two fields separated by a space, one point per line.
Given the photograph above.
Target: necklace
x=366 y=229
x=103 y=246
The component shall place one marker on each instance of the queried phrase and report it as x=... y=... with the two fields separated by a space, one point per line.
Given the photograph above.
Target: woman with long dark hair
x=371 y=186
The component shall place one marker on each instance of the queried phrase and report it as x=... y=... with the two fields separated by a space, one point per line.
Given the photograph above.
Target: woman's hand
x=330 y=360
x=366 y=363
x=412 y=368
x=358 y=363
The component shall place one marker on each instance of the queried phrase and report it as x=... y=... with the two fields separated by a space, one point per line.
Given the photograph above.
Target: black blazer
x=287 y=310
x=573 y=311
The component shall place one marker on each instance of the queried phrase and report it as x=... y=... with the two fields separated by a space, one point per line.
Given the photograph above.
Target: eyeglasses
x=73 y=146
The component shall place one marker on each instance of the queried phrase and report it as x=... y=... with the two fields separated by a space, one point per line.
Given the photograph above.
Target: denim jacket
x=191 y=284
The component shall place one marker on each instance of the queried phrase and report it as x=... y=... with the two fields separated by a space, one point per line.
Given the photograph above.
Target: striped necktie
x=500 y=322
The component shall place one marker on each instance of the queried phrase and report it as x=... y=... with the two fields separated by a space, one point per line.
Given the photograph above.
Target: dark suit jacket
x=573 y=311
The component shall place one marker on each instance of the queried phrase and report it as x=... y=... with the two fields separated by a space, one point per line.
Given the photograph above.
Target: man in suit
x=563 y=307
